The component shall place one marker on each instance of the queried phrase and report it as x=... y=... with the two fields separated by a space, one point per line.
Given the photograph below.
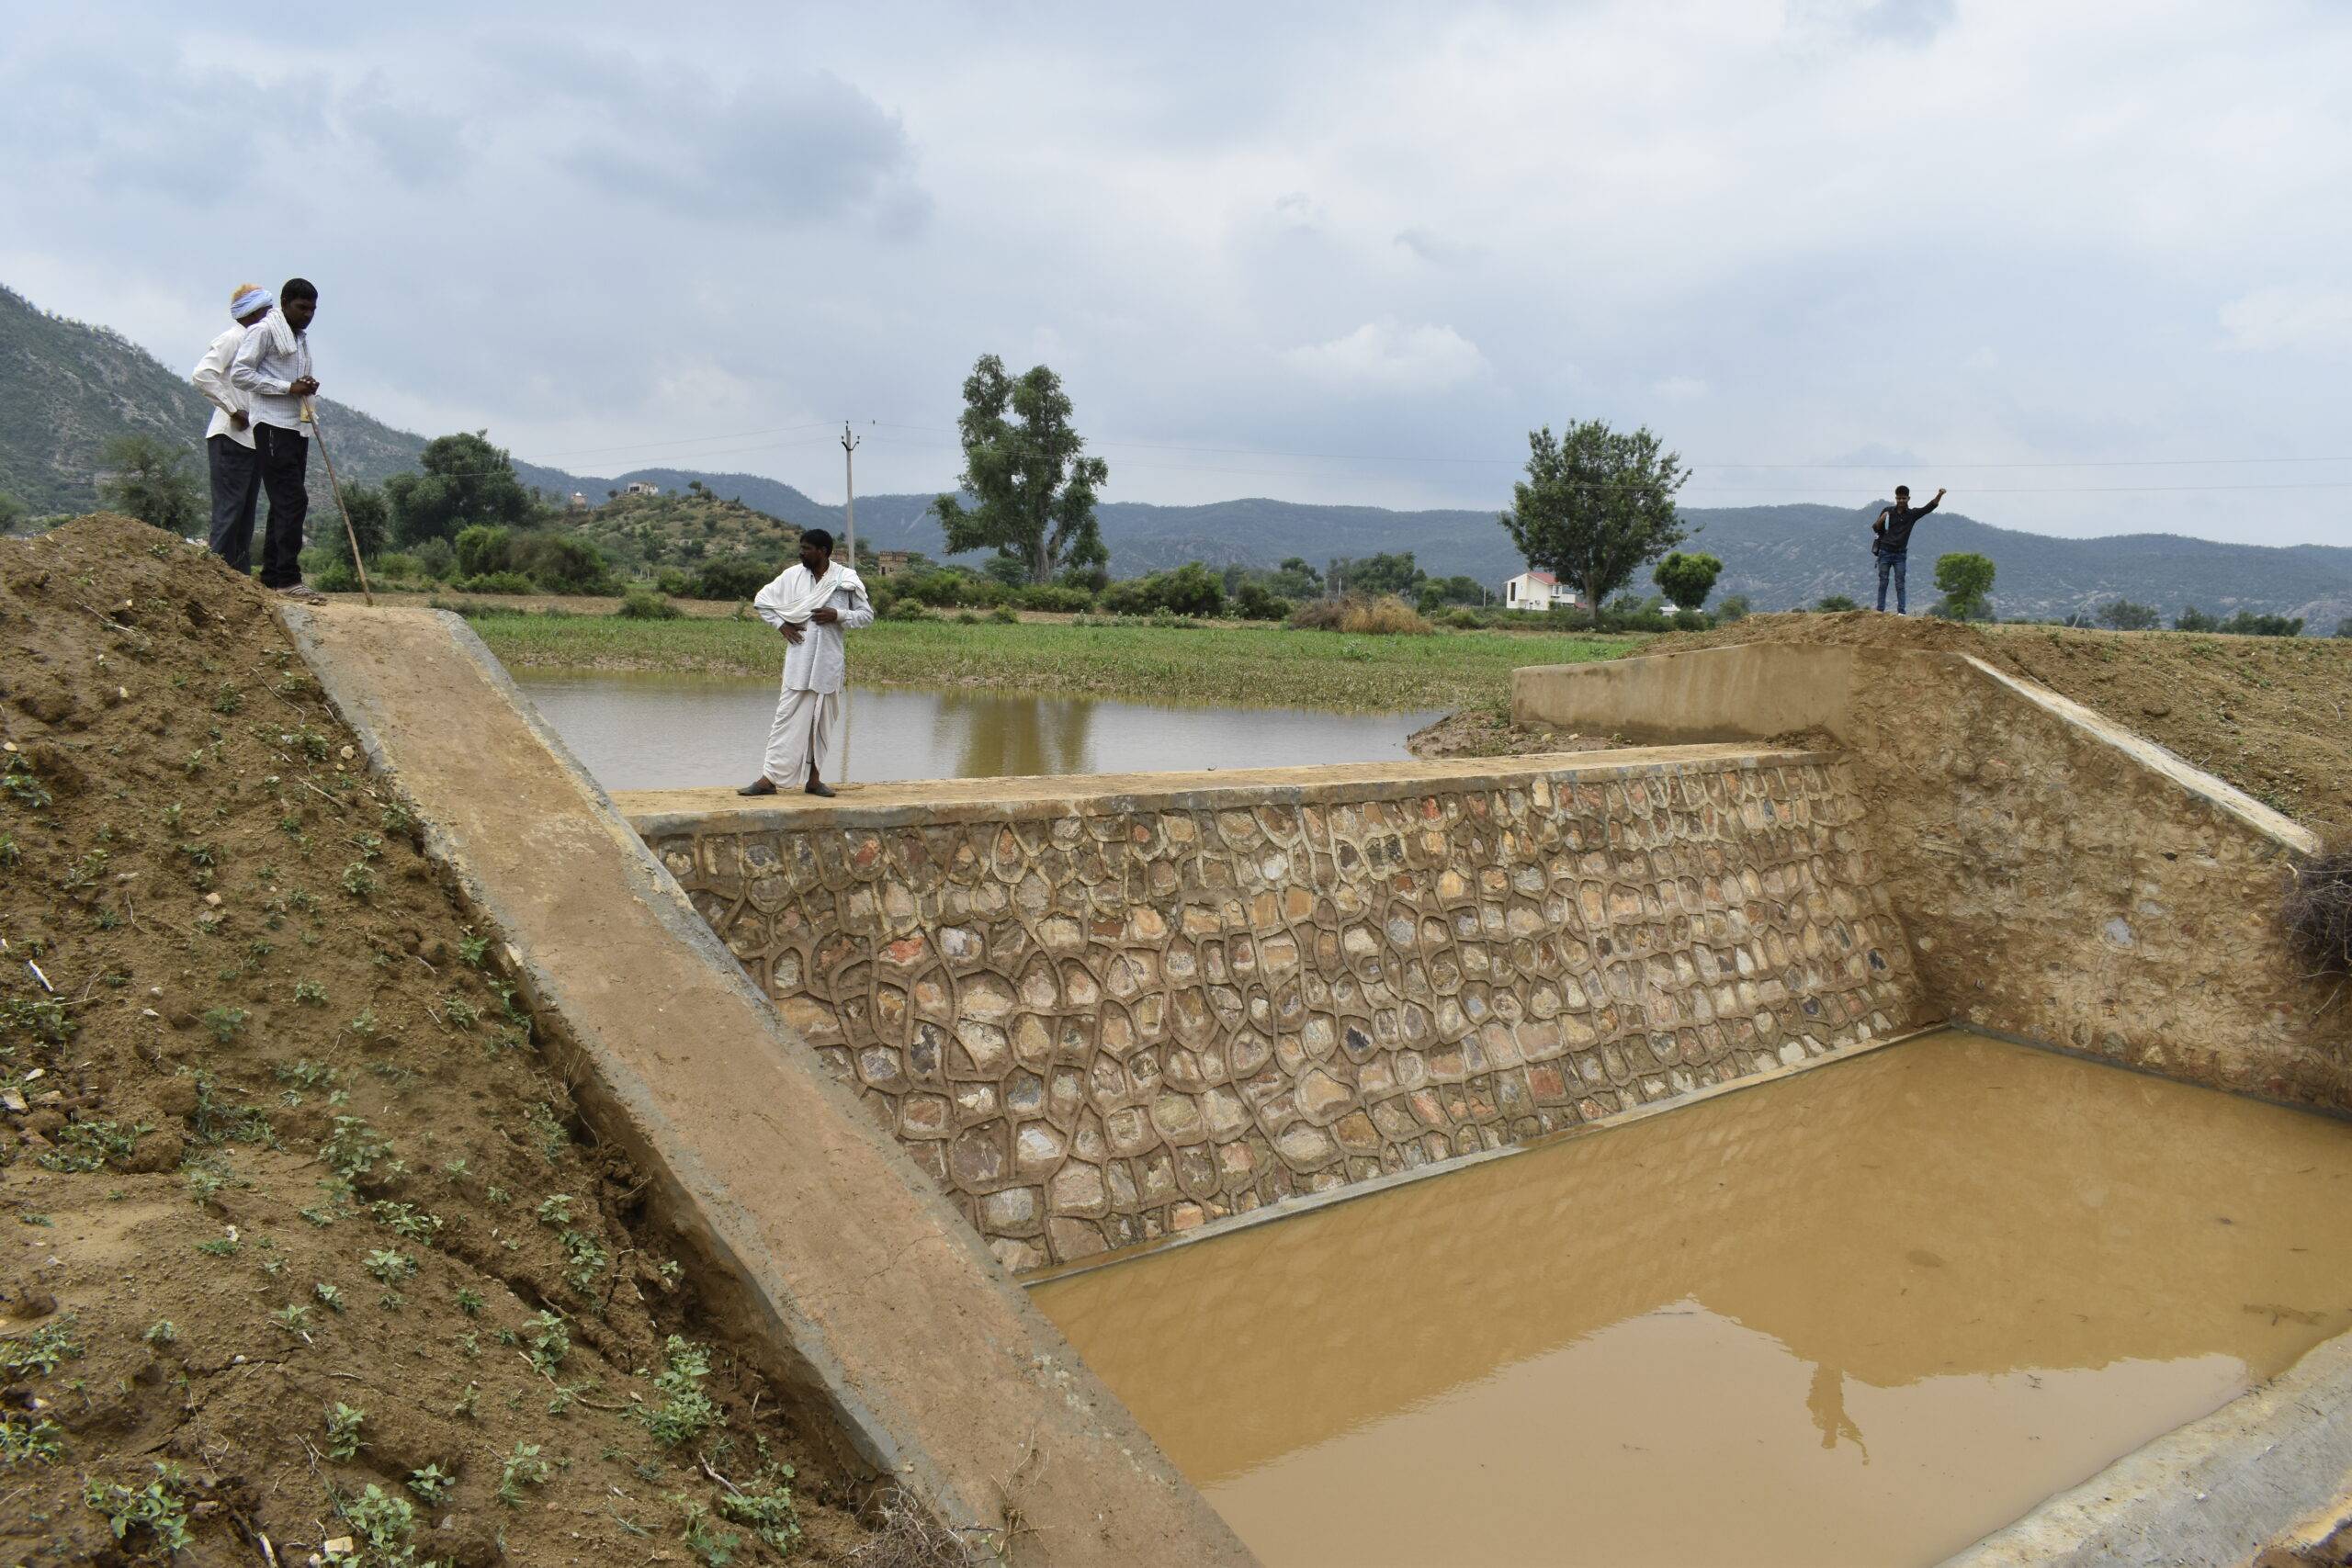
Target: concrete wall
x=808 y=1227
x=2060 y=878
x=1105 y=1012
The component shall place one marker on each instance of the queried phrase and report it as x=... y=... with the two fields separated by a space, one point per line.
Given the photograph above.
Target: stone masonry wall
x=1101 y=1018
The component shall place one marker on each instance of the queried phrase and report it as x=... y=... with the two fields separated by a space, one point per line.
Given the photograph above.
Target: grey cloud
x=791 y=151
x=415 y=143
x=1905 y=22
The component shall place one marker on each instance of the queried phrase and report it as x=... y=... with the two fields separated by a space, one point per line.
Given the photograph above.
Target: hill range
x=66 y=388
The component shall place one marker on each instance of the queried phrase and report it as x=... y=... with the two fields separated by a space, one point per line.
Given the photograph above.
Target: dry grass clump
x=1364 y=616
x=906 y=1535
x=2319 y=910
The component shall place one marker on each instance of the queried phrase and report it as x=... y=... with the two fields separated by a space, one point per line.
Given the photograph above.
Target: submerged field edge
x=1309 y=1203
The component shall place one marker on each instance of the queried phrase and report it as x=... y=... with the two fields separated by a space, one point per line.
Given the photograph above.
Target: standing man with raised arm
x=1890 y=542
x=272 y=367
x=812 y=604
x=228 y=439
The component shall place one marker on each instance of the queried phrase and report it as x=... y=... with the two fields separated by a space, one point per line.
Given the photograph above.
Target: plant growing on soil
x=431 y=1483
x=549 y=1341
x=43 y=1350
x=382 y=1521
x=342 y=1431
x=523 y=1467
x=157 y=1507
x=685 y=1413
x=37 y=1441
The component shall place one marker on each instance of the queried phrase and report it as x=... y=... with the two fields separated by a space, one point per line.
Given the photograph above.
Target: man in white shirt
x=272 y=368
x=228 y=439
x=812 y=604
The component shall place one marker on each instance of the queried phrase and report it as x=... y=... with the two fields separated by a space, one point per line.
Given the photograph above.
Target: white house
x=1537 y=591
x=638 y=487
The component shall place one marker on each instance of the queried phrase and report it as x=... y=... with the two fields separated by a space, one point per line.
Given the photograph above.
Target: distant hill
x=66 y=388
x=643 y=533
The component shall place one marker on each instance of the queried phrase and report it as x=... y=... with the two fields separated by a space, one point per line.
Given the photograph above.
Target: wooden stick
x=310 y=414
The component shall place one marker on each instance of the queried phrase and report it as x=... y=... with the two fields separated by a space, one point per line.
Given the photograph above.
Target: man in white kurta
x=812 y=605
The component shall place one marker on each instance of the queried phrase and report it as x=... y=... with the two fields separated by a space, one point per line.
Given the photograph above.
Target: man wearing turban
x=228 y=439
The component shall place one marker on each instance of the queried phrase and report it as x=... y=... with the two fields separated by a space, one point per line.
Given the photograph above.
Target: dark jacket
x=1893 y=529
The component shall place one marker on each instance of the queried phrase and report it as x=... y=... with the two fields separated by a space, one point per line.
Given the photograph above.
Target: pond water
x=1862 y=1316
x=643 y=731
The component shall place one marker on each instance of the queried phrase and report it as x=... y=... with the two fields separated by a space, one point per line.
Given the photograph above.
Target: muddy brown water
x=1862 y=1316
x=658 y=731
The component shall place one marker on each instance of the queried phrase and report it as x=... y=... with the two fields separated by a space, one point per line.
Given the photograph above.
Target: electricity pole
x=849 y=542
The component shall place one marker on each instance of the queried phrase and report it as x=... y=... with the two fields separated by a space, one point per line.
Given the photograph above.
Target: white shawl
x=793 y=596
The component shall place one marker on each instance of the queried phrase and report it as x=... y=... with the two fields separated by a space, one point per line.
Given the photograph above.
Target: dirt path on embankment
x=2272 y=715
x=298 y=1237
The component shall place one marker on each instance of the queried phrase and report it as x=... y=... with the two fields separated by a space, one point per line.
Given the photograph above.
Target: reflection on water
x=1863 y=1315
x=636 y=731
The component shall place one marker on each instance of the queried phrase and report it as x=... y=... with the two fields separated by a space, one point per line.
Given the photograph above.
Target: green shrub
x=1005 y=616
x=335 y=578
x=906 y=610
x=1054 y=597
x=1190 y=590
x=738 y=576
x=642 y=603
x=496 y=583
x=1255 y=602
x=484 y=549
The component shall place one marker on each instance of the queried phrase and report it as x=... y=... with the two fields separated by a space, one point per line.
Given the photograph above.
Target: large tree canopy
x=1032 y=483
x=466 y=481
x=1596 y=506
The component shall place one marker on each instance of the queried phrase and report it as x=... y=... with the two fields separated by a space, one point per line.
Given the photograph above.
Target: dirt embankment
x=299 y=1236
x=2272 y=715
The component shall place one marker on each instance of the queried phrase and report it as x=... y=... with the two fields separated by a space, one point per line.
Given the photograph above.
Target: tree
x=2124 y=616
x=12 y=513
x=371 y=520
x=1966 y=583
x=1011 y=571
x=2344 y=626
x=1688 y=580
x=1595 y=506
x=1376 y=575
x=1437 y=593
x=2249 y=623
x=1028 y=473
x=1834 y=602
x=1295 y=579
x=466 y=480
x=2192 y=619
x=149 y=480
x=1733 y=607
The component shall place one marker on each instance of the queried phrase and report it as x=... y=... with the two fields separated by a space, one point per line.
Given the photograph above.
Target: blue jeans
x=1894 y=564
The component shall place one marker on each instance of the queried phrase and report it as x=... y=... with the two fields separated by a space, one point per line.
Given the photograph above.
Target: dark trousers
x=236 y=494
x=1893 y=566
x=285 y=473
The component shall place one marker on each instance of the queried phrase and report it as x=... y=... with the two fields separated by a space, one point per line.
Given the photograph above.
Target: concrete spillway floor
x=1864 y=1314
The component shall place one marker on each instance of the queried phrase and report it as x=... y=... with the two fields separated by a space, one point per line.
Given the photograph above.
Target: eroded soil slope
x=2272 y=715
x=299 y=1234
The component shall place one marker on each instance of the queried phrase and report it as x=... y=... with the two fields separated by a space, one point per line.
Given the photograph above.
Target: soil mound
x=2272 y=715
x=299 y=1237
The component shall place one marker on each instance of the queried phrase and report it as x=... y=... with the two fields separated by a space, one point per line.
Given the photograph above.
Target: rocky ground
x=301 y=1242
x=2272 y=715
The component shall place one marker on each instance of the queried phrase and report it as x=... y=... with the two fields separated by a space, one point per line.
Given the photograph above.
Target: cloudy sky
x=2080 y=263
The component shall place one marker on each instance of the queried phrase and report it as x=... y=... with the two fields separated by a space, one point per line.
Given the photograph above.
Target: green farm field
x=1251 y=666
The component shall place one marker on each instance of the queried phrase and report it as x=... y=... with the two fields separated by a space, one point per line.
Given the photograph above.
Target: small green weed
x=342 y=1431
x=37 y=1441
x=157 y=1507
x=42 y=1352
x=523 y=1467
x=686 y=1412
